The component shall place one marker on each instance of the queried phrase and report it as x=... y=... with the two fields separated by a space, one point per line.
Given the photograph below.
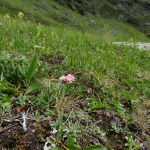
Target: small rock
x=72 y=6
x=55 y=6
x=147 y=24
x=92 y=22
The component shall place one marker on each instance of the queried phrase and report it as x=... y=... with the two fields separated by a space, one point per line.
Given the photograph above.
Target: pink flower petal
x=69 y=78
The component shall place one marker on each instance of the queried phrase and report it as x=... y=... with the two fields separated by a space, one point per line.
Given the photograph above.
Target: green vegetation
x=108 y=101
x=53 y=14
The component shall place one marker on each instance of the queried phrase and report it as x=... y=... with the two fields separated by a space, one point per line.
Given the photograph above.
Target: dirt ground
x=13 y=136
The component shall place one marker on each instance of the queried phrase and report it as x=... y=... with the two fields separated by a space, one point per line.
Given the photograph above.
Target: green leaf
x=5 y=97
x=60 y=132
x=38 y=125
x=57 y=148
x=33 y=87
x=5 y=104
x=25 y=68
x=5 y=87
x=37 y=116
x=22 y=70
x=94 y=147
x=13 y=56
x=31 y=68
x=70 y=143
x=49 y=112
x=131 y=122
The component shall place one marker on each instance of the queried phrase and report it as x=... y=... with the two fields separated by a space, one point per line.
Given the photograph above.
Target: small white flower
x=62 y=79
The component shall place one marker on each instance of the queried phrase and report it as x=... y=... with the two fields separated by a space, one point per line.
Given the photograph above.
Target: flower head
x=20 y=15
x=109 y=52
x=7 y=17
x=69 y=78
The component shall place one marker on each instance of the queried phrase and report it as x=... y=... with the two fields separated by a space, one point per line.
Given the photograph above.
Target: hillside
x=134 y=12
x=115 y=18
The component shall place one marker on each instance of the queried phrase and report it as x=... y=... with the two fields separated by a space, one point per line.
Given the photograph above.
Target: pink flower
x=69 y=78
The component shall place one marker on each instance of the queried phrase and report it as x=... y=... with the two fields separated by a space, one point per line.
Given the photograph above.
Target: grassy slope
x=110 y=29
x=115 y=78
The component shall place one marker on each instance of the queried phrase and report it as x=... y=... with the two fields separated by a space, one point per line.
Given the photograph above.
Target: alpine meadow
x=64 y=82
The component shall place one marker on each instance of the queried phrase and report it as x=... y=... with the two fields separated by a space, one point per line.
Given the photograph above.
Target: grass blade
x=94 y=147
